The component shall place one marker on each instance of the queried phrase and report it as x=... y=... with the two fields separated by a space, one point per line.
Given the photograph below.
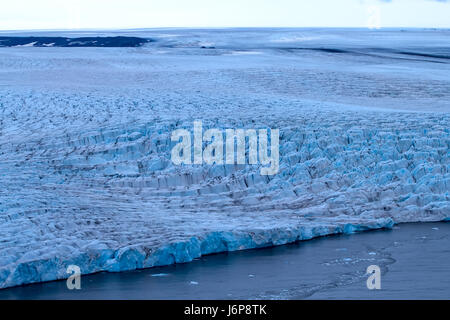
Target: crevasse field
x=86 y=176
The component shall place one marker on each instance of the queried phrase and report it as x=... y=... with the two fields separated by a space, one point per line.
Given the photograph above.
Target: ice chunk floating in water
x=85 y=144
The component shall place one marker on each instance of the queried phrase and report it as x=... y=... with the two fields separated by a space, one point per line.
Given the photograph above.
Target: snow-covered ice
x=85 y=170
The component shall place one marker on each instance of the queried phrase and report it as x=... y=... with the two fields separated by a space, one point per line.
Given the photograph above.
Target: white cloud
x=55 y=14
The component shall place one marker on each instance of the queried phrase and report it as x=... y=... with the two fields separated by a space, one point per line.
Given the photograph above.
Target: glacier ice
x=86 y=176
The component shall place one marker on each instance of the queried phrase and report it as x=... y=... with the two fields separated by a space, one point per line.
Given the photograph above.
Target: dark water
x=414 y=261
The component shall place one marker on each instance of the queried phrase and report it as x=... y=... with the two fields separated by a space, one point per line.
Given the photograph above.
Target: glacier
x=86 y=176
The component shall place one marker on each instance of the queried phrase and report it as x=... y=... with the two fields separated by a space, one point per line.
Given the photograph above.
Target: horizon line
x=212 y=28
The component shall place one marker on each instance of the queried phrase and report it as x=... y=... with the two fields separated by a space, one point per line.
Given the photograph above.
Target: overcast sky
x=74 y=14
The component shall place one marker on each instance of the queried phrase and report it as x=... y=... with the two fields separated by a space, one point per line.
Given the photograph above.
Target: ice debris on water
x=159 y=275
